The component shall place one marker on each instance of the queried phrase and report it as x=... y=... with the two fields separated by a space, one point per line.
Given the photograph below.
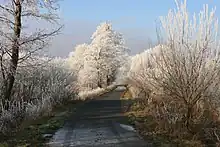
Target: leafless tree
x=182 y=76
x=17 y=43
x=188 y=63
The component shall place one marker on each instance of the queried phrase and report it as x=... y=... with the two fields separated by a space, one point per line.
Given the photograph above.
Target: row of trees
x=97 y=64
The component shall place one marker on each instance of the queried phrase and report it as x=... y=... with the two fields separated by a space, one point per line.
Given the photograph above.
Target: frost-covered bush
x=122 y=73
x=137 y=76
x=95 y=92
x=76 y=58
x=181 y=78
x=185 y=77
x=37 y=89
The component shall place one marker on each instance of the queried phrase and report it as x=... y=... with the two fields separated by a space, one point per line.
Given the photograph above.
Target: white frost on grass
x=36 y=91
x=95 y=92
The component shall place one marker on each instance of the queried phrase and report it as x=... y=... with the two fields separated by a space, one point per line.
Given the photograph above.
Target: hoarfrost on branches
x=18 y=43
x=180 y=77
x=99 y=62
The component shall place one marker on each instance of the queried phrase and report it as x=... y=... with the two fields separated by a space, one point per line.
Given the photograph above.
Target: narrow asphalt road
x=98 y=123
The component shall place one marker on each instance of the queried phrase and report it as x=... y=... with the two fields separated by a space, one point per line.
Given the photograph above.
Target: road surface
x=98 y=123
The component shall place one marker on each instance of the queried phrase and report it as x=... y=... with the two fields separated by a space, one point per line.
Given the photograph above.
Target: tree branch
x=4 y=19
x=38 y=36
x=49 y=17
x=1 y=64
x=7 y=9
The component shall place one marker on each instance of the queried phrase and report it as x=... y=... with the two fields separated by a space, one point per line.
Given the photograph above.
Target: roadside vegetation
x=39 y=131
x=35 y=88
x=176 y=83
x=31 y=84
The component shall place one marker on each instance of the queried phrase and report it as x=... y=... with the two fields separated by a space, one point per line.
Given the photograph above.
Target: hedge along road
x=99 y=123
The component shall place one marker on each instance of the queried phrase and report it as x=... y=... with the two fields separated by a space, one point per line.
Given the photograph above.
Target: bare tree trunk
x=15 y=51
x=98 y=71
x=108 y=80
x=99 y=80
x=189 y=118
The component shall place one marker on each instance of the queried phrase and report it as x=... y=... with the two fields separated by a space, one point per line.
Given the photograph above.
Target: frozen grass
x=96 y=92
x=36 y=91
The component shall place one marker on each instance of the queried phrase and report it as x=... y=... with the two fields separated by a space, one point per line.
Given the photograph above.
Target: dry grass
x=147 y=128
x=126 y=95
x=179 y=81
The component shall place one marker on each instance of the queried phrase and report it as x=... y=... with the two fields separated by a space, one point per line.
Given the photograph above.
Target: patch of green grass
x=31 y=133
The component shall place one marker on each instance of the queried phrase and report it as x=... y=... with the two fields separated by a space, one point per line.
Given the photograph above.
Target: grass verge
x=37 y=132
x=147 y=128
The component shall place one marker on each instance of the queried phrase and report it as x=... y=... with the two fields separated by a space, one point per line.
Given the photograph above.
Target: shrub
x=37 y=89
x=181 y=78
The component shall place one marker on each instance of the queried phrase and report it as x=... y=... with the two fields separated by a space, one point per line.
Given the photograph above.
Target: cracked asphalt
x=99 y=123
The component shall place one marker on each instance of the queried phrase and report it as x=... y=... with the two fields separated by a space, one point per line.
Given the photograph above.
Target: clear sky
x=134 y=18
x=134 y=13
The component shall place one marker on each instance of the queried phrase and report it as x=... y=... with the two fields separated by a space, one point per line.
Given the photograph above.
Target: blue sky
x=134 y=18
x=139 y=13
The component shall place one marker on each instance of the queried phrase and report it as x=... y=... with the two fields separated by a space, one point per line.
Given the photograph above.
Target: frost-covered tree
x=76 y=58
x=184 y=72
x=106 y=54
x=192 y=41
x=76 y=63
x=15 y=16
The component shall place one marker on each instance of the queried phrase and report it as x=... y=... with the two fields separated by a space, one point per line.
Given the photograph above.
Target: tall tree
x=107 y=53
x=16 y=40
